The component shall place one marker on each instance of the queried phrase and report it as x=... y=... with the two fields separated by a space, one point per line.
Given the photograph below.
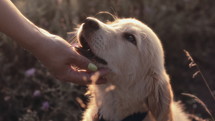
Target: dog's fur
x=138 y=81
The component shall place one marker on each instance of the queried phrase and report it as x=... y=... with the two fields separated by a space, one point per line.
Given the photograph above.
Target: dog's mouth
x=86 y=51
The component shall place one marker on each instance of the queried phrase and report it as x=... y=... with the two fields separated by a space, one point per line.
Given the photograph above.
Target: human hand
x=58 y=56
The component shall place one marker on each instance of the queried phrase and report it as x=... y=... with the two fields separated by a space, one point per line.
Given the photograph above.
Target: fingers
x=79 y=60
x=85 y=78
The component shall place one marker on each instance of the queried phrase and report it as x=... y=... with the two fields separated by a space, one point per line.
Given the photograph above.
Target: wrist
x=45 y=45
x=33 y=40
x=41 y=41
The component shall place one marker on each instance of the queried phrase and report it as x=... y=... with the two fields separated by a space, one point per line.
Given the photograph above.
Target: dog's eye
x=130 y=38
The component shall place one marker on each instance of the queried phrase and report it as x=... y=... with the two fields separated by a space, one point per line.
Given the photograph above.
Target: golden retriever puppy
x=138 y=87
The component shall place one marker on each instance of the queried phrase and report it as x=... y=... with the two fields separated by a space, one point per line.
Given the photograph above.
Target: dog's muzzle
x=89 y=27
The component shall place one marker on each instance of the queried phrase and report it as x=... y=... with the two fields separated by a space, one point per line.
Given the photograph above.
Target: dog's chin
x=85 y=50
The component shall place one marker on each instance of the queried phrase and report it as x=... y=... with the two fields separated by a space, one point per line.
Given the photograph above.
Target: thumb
x=79 y=60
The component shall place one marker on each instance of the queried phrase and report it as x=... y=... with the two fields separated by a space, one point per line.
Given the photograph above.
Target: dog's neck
x=118 y=99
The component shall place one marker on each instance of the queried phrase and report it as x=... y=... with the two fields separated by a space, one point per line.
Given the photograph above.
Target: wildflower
x=37 y=93
x=30 y=72
x=7 y=98
x=45 y=106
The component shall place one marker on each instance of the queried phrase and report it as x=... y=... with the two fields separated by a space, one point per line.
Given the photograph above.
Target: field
x=28 y=92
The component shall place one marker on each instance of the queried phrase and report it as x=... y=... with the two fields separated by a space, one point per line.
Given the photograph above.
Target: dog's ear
x=160 y=98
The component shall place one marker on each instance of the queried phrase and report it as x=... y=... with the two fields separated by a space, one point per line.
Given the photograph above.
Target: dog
x=138 y=87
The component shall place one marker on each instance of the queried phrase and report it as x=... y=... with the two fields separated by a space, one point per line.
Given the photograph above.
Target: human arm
x=53 y=51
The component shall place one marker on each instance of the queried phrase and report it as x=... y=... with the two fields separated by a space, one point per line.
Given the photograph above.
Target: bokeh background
x=29 y=93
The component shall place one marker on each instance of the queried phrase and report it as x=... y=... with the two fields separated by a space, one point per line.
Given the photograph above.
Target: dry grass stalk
x=196 y=118
x=200 y=102
x=192 y=64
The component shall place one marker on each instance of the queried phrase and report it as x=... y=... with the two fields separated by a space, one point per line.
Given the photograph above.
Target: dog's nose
x=91 y=24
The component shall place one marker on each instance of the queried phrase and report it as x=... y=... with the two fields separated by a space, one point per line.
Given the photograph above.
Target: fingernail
x=92 y=67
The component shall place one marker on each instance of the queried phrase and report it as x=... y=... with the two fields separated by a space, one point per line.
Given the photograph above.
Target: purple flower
x=7 y=98
x=30 y=72
x=37 y=93
x=45 y=106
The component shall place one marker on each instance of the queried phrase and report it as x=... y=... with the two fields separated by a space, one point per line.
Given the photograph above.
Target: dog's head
x=134 y=54
x=127 y=47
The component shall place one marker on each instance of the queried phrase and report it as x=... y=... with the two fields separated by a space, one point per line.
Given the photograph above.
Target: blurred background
x=29 y=93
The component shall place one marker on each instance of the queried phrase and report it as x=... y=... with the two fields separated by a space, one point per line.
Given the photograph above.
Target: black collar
x=133 y=117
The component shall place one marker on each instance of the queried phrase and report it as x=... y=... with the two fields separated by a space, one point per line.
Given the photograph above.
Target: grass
x=193 y=64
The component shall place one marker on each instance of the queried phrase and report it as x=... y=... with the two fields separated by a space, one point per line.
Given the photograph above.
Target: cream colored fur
x=138 y=81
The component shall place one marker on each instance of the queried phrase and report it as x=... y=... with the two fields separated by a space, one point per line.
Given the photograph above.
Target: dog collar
x=133 y=117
